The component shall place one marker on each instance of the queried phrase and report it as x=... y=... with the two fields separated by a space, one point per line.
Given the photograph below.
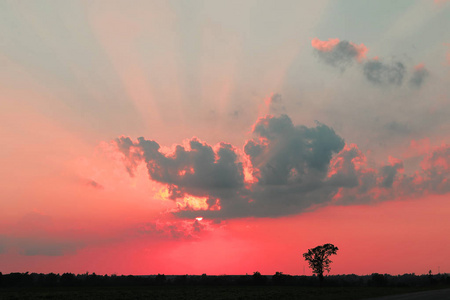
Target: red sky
x=284 y=126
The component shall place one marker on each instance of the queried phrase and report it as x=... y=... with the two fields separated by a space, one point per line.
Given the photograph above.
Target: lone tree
x=318 y=259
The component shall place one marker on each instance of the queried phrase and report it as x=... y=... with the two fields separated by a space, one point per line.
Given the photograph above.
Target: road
x=427 y=295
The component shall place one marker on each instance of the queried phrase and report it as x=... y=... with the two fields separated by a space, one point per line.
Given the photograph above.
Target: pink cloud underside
x=324 y=45
x=328 y=46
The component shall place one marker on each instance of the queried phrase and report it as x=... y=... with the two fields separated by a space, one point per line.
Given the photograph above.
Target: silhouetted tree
x=258 y=279
x=318 y=259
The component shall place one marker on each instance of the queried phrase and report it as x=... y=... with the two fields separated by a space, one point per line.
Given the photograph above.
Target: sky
x=224 y=137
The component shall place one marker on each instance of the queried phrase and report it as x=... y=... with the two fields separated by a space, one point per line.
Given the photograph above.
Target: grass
x=204 y=292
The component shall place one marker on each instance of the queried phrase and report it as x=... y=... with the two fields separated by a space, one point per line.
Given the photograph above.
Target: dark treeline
x=69 y=279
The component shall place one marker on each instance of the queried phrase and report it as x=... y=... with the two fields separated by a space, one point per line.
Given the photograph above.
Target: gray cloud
x=383 y=74
x=38 y=245
x=290 y=163
x=388 y=174
x=288 y=153
x=198 y=171
x=340 y=56
x=295 y=169
x=388 y=183
x=418 y=77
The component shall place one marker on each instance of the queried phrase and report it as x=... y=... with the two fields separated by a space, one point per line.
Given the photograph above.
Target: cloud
x=289 y=169
x=289 y=164
x=384 y=74
x=388 y=182
x=38 y=245
x=388 y=173
x=337 y=53
x=341 y=54
x=197 y=169
x=285 y=152
x=419 y=75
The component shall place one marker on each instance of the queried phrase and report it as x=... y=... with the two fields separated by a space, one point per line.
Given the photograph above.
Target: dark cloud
x=289 y=162
x=343 y=170
x=388 y=174
x=199 y=170
x=340 y=55
x=419 y=76
x=293 y=168
x=288 y=153
x=384 y=74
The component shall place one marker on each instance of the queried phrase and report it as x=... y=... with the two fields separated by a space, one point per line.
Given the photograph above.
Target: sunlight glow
x=194 y=203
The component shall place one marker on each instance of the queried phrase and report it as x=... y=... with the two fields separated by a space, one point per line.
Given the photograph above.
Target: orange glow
x=335 y=165
x=248 y=176
x=216 y=205
x=194 y=203
x=362 y=50
x=163 y=194
x=325 y=46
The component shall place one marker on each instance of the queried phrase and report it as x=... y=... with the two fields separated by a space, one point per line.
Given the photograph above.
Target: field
x=203 y=292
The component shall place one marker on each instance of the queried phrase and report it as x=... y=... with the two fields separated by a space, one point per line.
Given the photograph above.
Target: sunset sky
x=224 y=137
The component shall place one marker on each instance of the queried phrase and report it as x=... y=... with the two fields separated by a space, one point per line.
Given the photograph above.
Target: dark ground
x=208 y=292
x=443 y=294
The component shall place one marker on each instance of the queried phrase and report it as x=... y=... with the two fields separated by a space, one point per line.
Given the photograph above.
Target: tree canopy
x=318 y=258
